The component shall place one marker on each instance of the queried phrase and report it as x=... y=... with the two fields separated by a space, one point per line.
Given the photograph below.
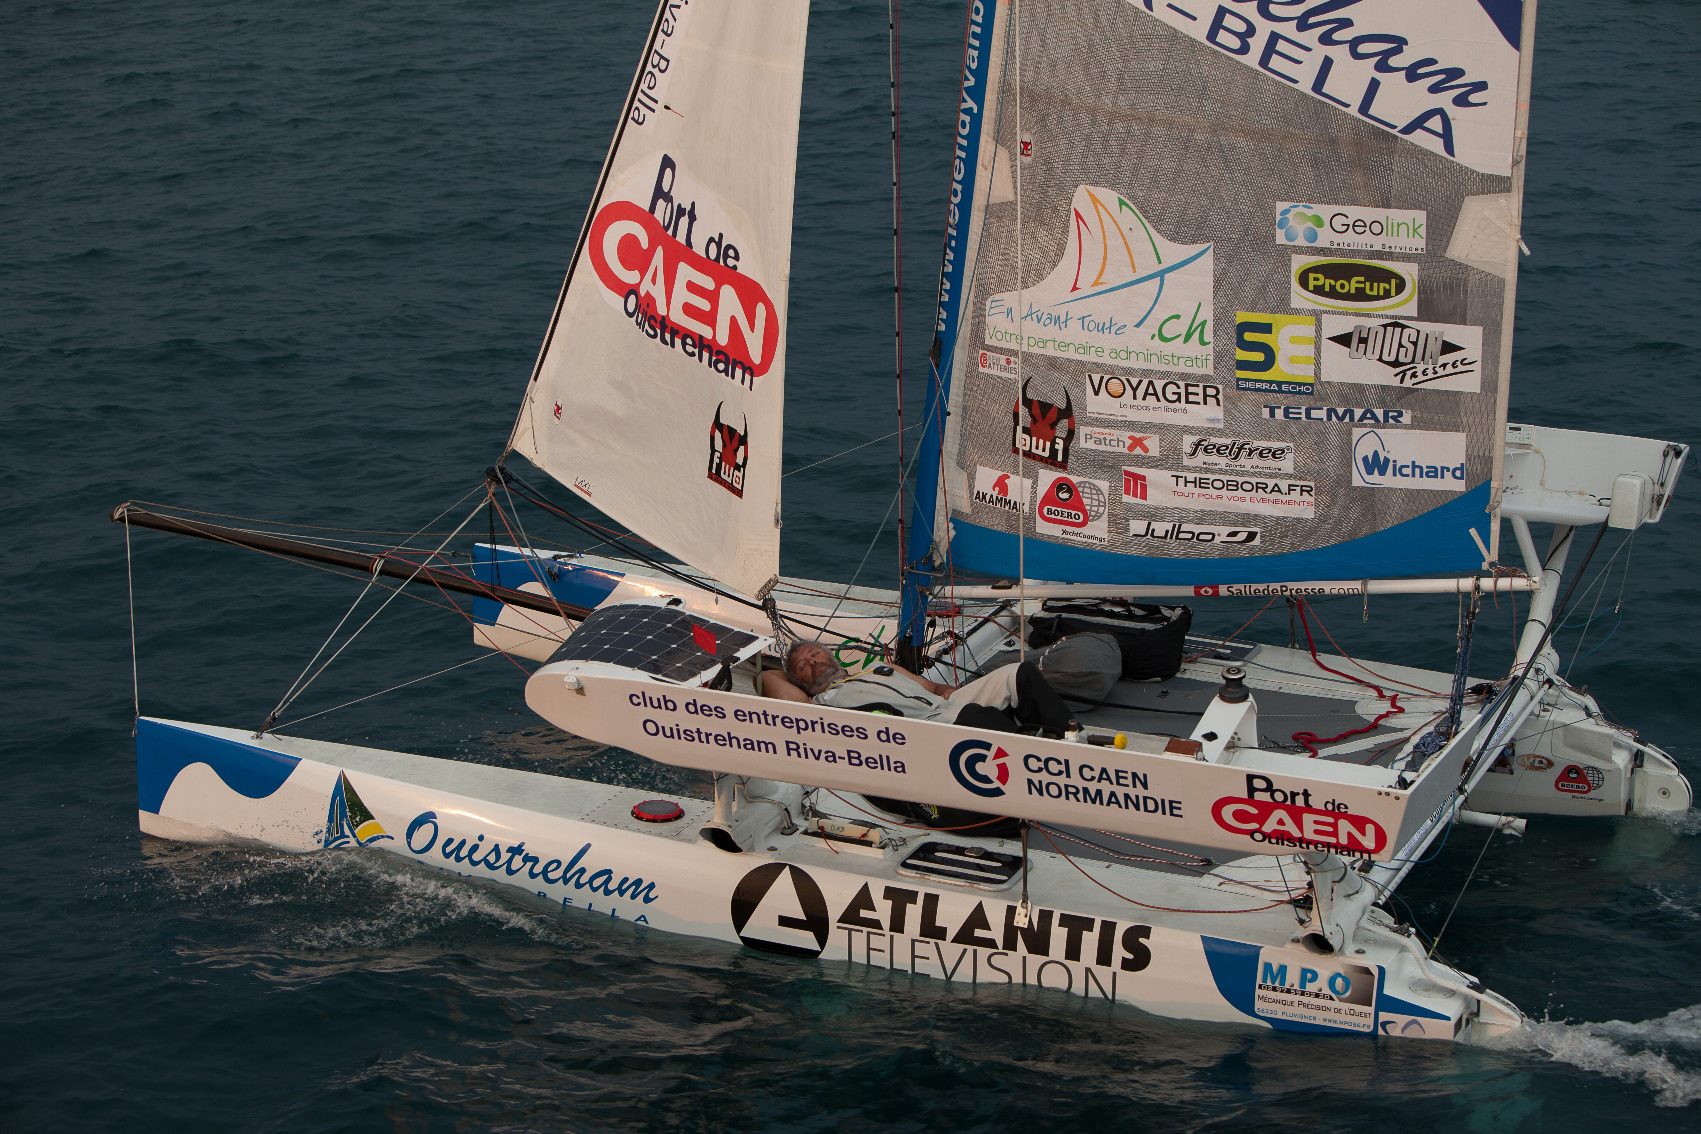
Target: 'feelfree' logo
x=981 y=767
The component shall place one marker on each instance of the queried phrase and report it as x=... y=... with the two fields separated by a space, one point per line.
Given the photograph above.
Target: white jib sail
x=658 y=393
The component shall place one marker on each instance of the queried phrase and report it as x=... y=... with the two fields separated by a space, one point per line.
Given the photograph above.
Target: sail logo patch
x=694 y=302
x=1448 y=84
x=1120 y=441
x=1358 y=415
x=1236 y=453
x=778 y=908
x=1287 y=817
x=1042 y=431
x=729 y=453
x=348 y=820
x=1305 y=989
x=1002 y=490
x=1275 y=354
x=1351 y=227
x=1199 y=535
x=1074 y=508
x=1340 y=284
x=1220 y=492
x=1121 y=293
x=981 y=767
x=1402 y=352
x=1579 y=779
x=998 y=363
x=1154 y=399
x=1409 y=458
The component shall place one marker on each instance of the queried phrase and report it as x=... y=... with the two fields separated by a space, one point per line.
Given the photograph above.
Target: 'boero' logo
x=794 y=920
x=981 y=767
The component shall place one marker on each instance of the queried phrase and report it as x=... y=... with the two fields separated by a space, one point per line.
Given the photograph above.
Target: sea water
x=294 y=261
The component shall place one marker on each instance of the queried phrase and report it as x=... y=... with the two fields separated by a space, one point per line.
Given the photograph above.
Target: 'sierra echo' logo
x=981 y=767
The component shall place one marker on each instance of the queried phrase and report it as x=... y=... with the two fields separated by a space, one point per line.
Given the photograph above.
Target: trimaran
x=1225 y=309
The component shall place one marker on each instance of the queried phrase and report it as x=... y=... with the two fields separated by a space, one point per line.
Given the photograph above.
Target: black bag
x=1150 y=637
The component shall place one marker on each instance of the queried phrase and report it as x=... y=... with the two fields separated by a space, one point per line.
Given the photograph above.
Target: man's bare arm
x=774 y=683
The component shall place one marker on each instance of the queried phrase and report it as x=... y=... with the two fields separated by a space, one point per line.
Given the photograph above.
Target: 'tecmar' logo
x=1299 y=224
x=981 y=767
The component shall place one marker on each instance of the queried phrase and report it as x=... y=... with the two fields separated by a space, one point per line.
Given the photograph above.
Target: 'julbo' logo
x=981 y=767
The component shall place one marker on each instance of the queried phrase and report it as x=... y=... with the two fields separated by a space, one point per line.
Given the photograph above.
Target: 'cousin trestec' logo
x=981 y=767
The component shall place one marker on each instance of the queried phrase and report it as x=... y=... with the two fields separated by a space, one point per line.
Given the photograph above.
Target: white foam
x=1619 y=1049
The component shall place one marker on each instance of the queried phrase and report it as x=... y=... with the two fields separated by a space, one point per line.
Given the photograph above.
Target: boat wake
x=321 y=902
x=1649 y=1053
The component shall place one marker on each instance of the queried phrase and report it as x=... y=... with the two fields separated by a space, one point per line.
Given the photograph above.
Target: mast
x=956 y=253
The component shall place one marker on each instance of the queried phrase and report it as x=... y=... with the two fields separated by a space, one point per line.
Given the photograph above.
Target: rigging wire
x=305 y=679
x=897 y=264
x=393 y=688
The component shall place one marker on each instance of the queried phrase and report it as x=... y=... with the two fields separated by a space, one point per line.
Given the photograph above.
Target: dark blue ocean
x=294 y=261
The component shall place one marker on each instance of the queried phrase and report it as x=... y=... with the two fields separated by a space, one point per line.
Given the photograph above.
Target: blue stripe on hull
x=568 y=582
x=163 y=751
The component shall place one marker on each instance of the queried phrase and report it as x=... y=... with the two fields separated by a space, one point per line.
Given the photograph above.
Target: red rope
x=1310 y=740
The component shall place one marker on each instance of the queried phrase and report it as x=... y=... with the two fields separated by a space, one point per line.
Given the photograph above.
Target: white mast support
x=1340 y=901
x=1542 y=602
x=1464 y=585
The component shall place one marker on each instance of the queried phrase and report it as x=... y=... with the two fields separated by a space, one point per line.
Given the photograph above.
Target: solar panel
x=668 y=642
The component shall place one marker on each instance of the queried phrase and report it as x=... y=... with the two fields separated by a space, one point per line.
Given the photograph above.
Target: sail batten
x=658 y=392
x=1250 y=319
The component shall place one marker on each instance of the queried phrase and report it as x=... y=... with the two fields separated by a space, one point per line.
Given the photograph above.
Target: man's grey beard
x=827 y=678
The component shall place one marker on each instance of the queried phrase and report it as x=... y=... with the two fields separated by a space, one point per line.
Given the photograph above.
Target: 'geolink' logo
x=981 y=767
x=1299 y=224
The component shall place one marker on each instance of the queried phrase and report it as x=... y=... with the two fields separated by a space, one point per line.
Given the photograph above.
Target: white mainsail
x=657 y=394
x=1230 y=299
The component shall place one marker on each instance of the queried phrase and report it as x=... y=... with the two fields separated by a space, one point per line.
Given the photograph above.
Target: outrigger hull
x=1218 y=946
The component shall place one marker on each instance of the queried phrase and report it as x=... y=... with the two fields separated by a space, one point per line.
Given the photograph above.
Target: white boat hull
x=576 y=844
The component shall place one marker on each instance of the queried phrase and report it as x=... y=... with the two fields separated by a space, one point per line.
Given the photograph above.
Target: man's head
x=812 y=667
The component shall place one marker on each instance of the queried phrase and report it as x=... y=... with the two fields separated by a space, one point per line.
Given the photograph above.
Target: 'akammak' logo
x=981 y=767
x=729 y=453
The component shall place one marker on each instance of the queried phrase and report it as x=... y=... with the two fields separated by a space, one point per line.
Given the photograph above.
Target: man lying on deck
x=1009 y=696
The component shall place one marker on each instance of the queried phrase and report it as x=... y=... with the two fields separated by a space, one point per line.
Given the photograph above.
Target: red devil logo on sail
x=1041 y=431
x=729 y=450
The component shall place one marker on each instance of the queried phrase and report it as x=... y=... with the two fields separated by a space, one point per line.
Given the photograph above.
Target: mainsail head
x=671 y=324
x=1264 y=251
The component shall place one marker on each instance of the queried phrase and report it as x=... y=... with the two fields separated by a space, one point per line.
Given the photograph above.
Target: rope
x=1310 y=740
x=1435 y=943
